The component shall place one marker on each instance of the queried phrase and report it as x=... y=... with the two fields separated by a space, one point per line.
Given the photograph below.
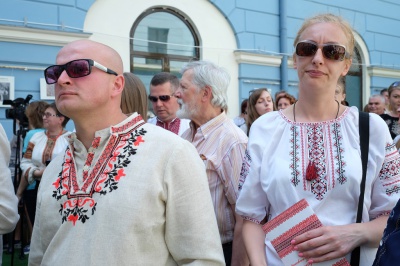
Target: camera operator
x=43 y=147
x=34 y=112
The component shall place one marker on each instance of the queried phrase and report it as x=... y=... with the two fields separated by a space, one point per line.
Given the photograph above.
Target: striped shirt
x=221 y=145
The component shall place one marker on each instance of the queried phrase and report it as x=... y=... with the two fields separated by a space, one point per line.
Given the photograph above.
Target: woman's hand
x=331 y=242
x=37 y=174
x=327 y=242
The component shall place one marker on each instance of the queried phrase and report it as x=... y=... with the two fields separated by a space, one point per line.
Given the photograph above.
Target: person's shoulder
x=161 y=134
x=232 y=129
x=268 y=120
x=37 y=135
x=386 y=117
x=376 y=121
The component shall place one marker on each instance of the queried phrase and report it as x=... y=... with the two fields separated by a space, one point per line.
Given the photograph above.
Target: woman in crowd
x=284 y=100
x=43 y=147
x=340 y=92
x=34 y=112
x=392 y=118
x=260 y=102
x=310 y=151
x=241 y=119
x=134 y=96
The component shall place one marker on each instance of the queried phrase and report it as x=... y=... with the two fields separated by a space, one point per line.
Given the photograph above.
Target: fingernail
x=300 y=254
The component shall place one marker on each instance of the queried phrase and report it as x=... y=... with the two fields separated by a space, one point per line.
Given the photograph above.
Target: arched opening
x=353 y=82
x=162 y=40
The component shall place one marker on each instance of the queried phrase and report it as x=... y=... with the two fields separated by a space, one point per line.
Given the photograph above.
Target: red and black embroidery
x=78 y=203
x=318 y=145
x=390 y=172
x=245 y=169
x=294 y=154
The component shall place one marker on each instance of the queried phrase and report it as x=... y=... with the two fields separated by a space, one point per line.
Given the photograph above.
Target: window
x=353 y=81
x=161 y=40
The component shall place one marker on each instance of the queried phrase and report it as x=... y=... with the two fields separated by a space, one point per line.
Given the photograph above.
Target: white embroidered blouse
x=279 y=151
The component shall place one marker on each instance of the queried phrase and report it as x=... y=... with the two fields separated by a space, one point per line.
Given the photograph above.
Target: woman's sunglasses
x=334 y=52
x=163 y=98
x=75 y=69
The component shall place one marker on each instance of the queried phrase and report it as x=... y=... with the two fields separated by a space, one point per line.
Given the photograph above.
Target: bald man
x=104 y=202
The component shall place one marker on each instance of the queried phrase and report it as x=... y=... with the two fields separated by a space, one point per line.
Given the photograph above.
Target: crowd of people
x=191 y=186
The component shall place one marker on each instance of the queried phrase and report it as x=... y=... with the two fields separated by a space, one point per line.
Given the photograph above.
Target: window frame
x=165 y=58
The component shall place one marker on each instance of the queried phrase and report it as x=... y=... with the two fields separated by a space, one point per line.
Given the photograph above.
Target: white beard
x=186 y=111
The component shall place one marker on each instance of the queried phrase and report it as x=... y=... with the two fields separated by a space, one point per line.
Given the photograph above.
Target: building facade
x=252 y=39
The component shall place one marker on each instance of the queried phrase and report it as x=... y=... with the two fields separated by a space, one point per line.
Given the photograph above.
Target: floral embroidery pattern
x=78 y=203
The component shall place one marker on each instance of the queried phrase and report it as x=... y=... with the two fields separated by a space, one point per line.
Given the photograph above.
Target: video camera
x=18 y=111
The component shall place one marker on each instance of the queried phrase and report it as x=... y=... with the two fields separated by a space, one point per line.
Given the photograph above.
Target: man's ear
x=207 y=93
x=119 y=83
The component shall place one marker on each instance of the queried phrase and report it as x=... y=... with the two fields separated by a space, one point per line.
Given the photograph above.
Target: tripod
x=20 y=134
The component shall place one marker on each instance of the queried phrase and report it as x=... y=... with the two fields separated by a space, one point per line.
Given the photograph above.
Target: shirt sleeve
x=27 y=166
x=384 y=162
x=252 y=201
x=229 y=171
x=191 y=231
x=8 y=201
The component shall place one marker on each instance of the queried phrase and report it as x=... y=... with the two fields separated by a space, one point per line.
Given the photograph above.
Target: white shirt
x=184 y=124
x=279 y=151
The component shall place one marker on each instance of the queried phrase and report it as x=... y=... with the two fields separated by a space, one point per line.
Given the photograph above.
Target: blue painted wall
x=255 y=24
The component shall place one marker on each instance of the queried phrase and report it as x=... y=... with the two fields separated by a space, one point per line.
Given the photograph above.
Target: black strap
x=364 y=145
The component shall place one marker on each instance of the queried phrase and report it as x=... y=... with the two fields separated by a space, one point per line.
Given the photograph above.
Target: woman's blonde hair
x=134 y=96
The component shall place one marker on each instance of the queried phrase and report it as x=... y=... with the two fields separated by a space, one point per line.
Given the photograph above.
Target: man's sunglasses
x=334 y=52
x=75 y=69
x=163 y=98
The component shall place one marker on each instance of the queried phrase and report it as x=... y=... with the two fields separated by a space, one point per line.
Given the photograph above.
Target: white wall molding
x=38 y=36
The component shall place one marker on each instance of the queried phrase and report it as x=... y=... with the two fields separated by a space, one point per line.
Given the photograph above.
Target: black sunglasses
x=330 y=51
x=163 y=98
x=75 y=69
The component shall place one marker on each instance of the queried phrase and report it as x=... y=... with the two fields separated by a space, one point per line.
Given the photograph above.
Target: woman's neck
x=326 y=110
x=54 y=132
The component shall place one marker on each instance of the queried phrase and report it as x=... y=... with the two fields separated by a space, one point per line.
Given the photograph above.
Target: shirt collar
x=208 y=128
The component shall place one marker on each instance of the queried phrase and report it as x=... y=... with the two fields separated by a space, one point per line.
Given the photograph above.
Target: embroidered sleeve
x=390 y=172
x=26 y=163
x=245 y=169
